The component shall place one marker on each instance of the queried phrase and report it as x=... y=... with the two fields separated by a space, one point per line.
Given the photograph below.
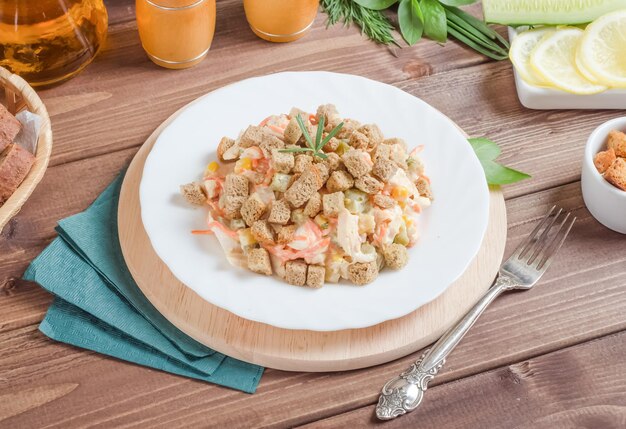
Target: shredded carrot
x=227 y=231
x=276 y=129
x=202 y=231
x=264 y=121
x=313 y=119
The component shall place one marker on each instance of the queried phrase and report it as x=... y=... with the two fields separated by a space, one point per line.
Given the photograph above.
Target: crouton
x=302 y=162
x=270 y=143
x=324 y=172
x=253 y=136
x=315 y=276
x=372 y=133
x=314 y=205
x=332 y=145
x=616 y=174
x=603 y=160
x=259 y=261
x=423 y=187
x=384 y=169
x=368 y=184
x=358 y=140
x=349 y=126
x=262 y=232
x=285 y=234
x=361 y=273
x=252 y=210
x=382 y=151
x=339 y=181
x=396 y=140
x=617 y=142
x=224 y=144
x=330 y=114
x=295 y=272
x=358 y=162
x=384 y=201
x=236 y=185
x=193 y=193
x=293 y=132
x=9 y=129
x=296 y=111
x=398 y=155
x=333 y=203
x=304 y=187
x=396 y=256
x=280 y=213
x=282 y=162
x=232 y=206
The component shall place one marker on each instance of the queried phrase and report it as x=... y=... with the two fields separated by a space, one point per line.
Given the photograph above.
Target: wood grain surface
x=550 y=357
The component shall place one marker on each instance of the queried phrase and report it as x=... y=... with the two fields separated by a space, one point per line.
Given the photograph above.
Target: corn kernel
x=407 y=221
x=243 y=164
x=212 y=167
x=400 y=193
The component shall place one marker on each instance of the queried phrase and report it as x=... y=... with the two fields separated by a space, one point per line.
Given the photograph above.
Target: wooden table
x=552 y=356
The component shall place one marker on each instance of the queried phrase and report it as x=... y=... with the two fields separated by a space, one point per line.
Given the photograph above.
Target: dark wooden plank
x=581 y=386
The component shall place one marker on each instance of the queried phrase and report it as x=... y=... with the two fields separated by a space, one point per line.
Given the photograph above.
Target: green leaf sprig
x=497 y=174
x=374 y=25
x=315 y=147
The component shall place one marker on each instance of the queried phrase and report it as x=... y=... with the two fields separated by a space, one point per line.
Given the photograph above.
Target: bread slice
x=15 y=163
x=9 y=127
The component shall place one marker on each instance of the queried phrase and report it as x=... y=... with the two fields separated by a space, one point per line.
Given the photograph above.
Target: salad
x=313 y=198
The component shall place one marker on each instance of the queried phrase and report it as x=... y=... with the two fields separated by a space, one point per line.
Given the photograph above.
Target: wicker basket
x=18 y=95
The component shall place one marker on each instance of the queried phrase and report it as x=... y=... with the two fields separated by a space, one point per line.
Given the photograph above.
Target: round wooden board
x=297 y=350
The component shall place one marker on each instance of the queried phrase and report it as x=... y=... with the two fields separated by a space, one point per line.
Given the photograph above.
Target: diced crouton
x=286 y=234
x=293 y=132
x=423 y=187
x=9 y=129
x=252 y=210
x=295 y=272
x=396 y=256
x=332 y=145
x=193 y=193
x=349 y=126
x=339 y=181
x=315 y=276
x=225 y=144
x=330 y=114
x=236 y=185
x=333 y=203
x=384 y=169
x=617 y=142
x=604 y=160
x=232 y=206
x=324 y=171
x=282 y=162
x=362 y=273
x=396 y=140
x=270 y=143
x=373 y=134
x=399 y=156
x=280 y=212
x=358 y=140
x=358 y=162
x=259 y=261
x=384 y=201
x=616 y=174
x=304 y=187
x=314 y=205
x=262 y=232
x=253 y=136
x=382 y=151
x=368 y=184
x=302 y=162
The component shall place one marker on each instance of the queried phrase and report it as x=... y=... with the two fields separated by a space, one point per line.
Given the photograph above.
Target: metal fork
x=521 y=271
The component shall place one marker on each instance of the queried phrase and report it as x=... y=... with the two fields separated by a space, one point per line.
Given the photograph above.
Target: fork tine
x=523 y=247
x=541 y=241
x=554 y=245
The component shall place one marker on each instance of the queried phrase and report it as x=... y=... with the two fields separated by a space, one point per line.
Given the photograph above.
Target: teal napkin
x=100 y=307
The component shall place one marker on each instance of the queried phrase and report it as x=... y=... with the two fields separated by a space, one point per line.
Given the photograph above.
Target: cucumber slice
x=534 y=12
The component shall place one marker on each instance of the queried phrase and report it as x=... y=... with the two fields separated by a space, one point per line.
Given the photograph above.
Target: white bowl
x=605 y=202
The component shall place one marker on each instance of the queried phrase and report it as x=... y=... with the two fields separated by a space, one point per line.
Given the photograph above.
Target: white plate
x=452 y=228
x=535 y=97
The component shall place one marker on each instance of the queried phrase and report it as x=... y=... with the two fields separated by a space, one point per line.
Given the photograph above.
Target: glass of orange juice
x=280 y=20
x=176 y=34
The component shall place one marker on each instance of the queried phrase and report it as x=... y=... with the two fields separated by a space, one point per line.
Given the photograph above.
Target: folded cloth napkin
x=100 y=307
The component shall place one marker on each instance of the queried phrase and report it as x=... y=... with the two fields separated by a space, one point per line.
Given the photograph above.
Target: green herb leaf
x=374 y=24
x=487 y=151
x=297 y=149
x=305 y=131
x=318 y=135
x=411 y=20
x=376 y=4
x=457 y=2
x=331 y=134
x=435 y=25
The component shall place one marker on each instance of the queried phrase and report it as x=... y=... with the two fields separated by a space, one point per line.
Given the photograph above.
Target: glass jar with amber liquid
x=49 y=41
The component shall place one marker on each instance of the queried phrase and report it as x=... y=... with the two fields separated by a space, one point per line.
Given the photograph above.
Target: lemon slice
x=602 y=49
x=554 y=59
x=522 y=46
x=582 y=69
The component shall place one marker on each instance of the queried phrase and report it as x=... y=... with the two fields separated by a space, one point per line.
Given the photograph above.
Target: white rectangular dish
x=534 y=97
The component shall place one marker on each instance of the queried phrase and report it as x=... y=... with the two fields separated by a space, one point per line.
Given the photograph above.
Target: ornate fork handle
x=405 y=392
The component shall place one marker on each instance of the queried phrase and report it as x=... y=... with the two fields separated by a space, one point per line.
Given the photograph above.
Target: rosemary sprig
x=373 y=23
x=314 y=147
